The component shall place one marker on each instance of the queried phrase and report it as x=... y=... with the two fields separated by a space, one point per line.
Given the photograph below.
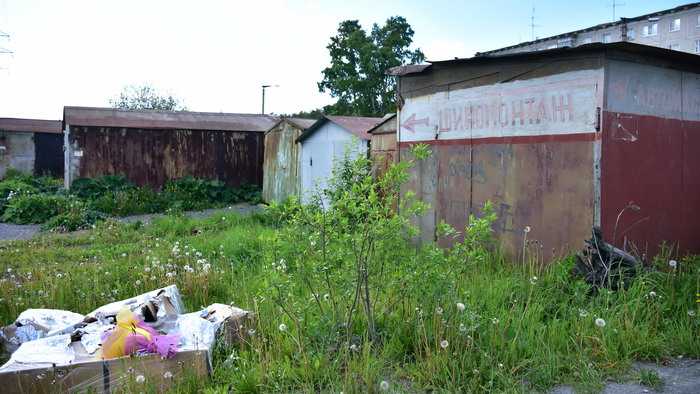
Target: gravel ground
x=10 y=232
x=678 y=377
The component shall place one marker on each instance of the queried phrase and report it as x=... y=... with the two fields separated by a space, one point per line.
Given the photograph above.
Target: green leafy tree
x=146 y=97
x=357 y=75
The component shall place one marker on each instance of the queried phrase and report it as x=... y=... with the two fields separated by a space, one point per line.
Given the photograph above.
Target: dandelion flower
x=138 y=282
x=140 y=379
x=444 y=344
x=283 y=327
x=527 y=229
x=354 y=347
x=461 y=307
x=384 y=385
x=533 y=280
x=494 y=321
x=600 y=322
x=500 y=365
x=691 y=313
x=168 y=375
x=438 y=310
x=326 y=297
x=123 y=254
x=652 y=294
x=673 y=264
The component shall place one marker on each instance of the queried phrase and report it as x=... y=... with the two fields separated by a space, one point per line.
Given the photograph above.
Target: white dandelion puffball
x=438 y=310
x=283 y=327
x=168 y=375
x=384 y=385
x=533 y=280
x=461 y=307
x=691 y=313
x=444 y=344
x=673 y=263
x=140 y=379
x=527 y=229
x=600 y=322
x=652 y=294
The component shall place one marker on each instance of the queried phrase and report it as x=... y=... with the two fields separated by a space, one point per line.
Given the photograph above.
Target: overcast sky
x=214 y=55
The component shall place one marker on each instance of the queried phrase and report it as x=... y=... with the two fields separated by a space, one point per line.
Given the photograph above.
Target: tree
x=146 y=97
x=313 y=114
x=359 y=62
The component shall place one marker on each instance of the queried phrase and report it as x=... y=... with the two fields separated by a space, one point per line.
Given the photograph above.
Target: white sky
x=214 y=55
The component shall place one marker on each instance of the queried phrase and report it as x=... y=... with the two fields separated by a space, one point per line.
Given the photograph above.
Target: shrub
x=129 y=202
x=47 y=184
x=77 y=217
x=93 y=188
x=12 y=188
x=34 y=208
x=195 y=193
x=17 y=175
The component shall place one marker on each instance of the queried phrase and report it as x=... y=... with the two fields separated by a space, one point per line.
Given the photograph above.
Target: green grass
x=515 y=333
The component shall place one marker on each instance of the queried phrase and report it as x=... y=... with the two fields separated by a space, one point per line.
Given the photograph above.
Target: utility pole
x=263 y=95
x=532 y=24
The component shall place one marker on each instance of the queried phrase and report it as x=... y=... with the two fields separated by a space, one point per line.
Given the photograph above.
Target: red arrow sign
x=411 y=122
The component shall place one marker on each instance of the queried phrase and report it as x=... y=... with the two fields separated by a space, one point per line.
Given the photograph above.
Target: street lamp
x=263 y=95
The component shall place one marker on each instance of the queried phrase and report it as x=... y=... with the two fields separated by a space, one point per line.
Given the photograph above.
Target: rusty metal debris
x=602 y=265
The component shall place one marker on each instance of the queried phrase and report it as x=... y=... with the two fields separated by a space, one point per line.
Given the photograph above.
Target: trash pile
x=152 y=326
x=602 y=265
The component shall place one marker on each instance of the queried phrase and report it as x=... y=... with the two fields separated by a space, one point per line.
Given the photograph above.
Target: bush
x=77 y=217
x=195 y=193
x=12 y=188
x=129 y=202
x=34 y=208
x=93 y=188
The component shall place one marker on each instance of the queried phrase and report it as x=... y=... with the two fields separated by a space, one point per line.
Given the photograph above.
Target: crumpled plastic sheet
x=42 y=352
x=134 y=303
x=33 y=324
x=197 y=331
x=52 y=319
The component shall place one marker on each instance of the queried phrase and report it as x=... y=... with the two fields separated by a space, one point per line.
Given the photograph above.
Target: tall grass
x=460 y=319
x=515 y=332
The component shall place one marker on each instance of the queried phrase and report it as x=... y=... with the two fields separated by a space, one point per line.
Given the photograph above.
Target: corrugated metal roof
x=596 y=27
x=184 y=120
x=357 y=125
x=31 y=125
x=301 y=123
x=387 y=118
x=675 y=59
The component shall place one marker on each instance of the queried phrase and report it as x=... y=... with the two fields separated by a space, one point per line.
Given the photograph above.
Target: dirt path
x=10 y=232
x=678 y=377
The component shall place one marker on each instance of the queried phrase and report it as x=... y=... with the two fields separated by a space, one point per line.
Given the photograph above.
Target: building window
x=675 y=25
x=630 y=34
x=697 y=46
x=651 y=29
x=675 y=46
x=607 y=38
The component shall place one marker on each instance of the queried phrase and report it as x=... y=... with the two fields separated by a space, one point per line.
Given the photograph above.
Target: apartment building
x=675 y=28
